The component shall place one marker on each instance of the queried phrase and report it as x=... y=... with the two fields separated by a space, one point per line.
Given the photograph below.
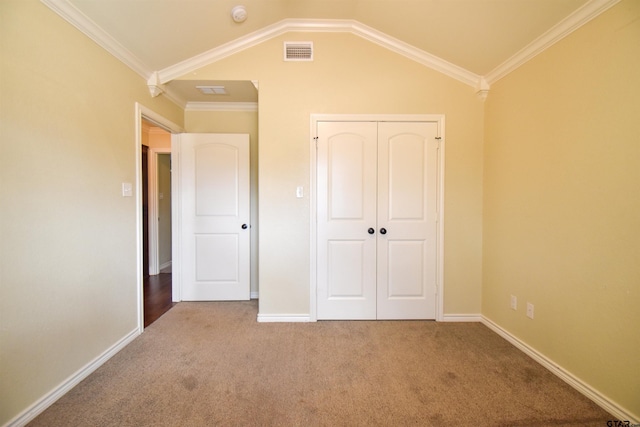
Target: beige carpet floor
x=212 y=364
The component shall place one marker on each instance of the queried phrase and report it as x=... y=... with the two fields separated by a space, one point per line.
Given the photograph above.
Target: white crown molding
x=221 y=106
x=79 y=20
x=156 y=80
x=415 y=54
x=482 y=89
x=213 y=55
x=318 y=25
x=155 y=86
x=577 y=19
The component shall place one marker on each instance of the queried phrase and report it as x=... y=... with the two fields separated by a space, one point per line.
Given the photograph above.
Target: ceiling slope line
x=420 y=56
x=216 y=54
x=84 y=24
x=568 y=25
x=314 y=25
x=75 y=17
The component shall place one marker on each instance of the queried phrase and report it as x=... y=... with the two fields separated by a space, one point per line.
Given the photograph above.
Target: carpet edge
x=40 y=405
x=585 y=389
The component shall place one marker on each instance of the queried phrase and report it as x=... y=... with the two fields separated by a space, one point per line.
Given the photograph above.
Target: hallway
x=157 y=297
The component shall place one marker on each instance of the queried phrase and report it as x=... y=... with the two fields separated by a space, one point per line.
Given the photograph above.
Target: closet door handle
x=245 y=226
x=383 y=231
x=371 y=231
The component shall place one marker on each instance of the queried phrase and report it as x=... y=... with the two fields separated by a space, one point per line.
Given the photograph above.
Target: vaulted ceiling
x=476 y=36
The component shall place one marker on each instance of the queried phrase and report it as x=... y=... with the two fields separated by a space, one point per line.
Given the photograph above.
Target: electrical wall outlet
x=514 y=302
x=530 y=310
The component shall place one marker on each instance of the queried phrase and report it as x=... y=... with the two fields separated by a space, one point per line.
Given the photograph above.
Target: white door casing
x=144 y=114
x=215 y=236
x=154 y=239
x=395 y=275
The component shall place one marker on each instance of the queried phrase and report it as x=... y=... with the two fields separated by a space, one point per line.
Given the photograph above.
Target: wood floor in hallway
x=157 y=297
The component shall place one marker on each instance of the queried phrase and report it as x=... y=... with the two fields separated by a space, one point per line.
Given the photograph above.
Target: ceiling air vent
x=298 y=51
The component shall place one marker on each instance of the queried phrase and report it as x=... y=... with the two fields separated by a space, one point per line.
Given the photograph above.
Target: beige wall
x=157 y=138
x=164 y=209
x=562 y=204
x=351 y=75
x=558 y=191
x=67 y=236
x=235 y=122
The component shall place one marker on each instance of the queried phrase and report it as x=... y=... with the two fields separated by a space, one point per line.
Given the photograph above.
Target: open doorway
x=144 y=117
x=156 y=221
x=234 y=112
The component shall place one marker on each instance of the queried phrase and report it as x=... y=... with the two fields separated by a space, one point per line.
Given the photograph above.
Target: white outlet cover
x=530 y=310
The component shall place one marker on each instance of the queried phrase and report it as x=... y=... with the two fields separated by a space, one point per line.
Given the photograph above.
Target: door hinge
x=316 y=139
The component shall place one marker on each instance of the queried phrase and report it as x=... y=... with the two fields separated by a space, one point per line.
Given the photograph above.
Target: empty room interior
x=520 y=214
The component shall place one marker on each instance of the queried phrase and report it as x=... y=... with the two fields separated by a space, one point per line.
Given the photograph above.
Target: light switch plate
x=127 y=189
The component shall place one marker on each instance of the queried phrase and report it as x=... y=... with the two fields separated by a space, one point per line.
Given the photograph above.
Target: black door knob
x=383 y=231
x=371 y=231
x=245 y=226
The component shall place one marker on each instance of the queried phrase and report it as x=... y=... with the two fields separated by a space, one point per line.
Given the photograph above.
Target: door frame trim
x=154 y=233
x=142 y=112
x=313 y=203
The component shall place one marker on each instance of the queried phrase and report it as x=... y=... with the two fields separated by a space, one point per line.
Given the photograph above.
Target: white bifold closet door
x=377 y=220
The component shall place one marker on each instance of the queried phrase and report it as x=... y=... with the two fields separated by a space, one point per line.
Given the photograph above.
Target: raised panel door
x=407 y=174
x=215 y=205
x=346 y=179
x=376 y=220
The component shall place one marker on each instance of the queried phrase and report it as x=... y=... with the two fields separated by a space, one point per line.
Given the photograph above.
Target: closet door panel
x=376 y=220
x=346 y=189
x=407 y=211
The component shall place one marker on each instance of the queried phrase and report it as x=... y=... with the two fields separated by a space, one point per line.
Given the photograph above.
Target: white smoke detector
x=239 y=14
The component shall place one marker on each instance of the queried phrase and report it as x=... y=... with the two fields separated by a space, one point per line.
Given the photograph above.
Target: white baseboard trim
x=50 y=398
x=575 y=382
x=270 y=318
x=164 y=265
x=254 y=295
x=462 y=318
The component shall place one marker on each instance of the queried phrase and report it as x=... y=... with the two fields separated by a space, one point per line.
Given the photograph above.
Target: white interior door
x=347 y=210
x=215 y=238
x=376 y=229
x=407 y=213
